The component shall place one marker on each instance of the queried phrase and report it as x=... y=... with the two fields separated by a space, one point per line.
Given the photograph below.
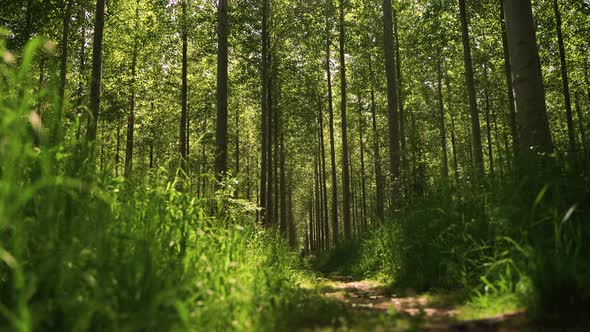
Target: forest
x=294 y=165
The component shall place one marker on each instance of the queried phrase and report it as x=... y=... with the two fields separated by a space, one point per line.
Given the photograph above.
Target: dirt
x=378 y=310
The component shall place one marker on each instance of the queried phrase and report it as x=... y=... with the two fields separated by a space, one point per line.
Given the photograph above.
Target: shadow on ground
x=341 y=304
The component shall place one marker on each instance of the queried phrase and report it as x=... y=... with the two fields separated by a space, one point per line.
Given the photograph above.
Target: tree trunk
x=283 y=189
x=222 y=82
x=95 y=81
x=527 y=80
x=335 y=225
x=582 y=129
x=131 y=117
x=324 y=180
x=398 y=70
x=184 y=91
x=265 y=111
x=117 y=151
x=508 y=72
x=393 y=117
x=275 y=168
x=269 y=151
x=441 y=114
x=488 y=120
x=63 y=70
x=345 y=175
x=363 y=174
x=571 y=131
x=376 y=152
x=475 y=127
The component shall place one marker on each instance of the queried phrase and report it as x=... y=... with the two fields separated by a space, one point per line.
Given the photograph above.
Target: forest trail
x=371 y=307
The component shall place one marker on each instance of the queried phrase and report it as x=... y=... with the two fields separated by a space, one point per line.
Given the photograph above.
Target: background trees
x=397 y=65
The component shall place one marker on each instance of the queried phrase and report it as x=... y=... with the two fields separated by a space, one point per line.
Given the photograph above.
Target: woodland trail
x=371 y=307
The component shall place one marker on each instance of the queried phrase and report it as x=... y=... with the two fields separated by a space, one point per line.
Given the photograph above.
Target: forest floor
x=369 y=305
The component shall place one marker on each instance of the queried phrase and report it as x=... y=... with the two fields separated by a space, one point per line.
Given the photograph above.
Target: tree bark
x=283 y=228
x=131 y=116
x=527 y=80
x=441 y=114
x=508 y=72
x=335 y=224
x=96 y=79
x=571 y=131
x=265 y=111
x=400 y=89
x=488 y=121
x=184 y=91
x=345 y=173
x=363 y=174
x=475 y=127
x=377 y=155
x=324 y=180
x=222 y=85
x=393 y=116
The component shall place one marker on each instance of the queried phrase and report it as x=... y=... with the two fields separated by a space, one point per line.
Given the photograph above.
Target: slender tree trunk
x=377 y=155
x=453 y=132
x=475 y=127
x=527 y=80
x=317 y=206
x=222 y=82
x=63 y=70
x=345 y=175
x=571 y=131
x=292 y=227
x=392 y=97
x=488 y=120
x=311 y=225
x=400 y=89
x=335 y=224
x=82 y=62
x=275 y=168
x=283 y=189
x=237 y=145
x=324 y=179
x=184 y=90
x=441 y=114
x=508 y=72
x=131 y=117
x=118 y=151
x=265 y=111
x=363 y=173
x=582 y=128
x=96 y=79
x=151 y=154
x=269 y=151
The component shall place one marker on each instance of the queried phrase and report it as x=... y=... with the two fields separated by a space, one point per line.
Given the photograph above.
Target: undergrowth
x=515 y=243
x=83 y=250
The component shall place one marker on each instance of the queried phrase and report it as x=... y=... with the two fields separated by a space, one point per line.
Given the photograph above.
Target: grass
x=81 y=249
x=506 y=245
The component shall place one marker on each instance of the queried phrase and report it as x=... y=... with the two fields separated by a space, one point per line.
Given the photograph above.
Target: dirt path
x=374 y=309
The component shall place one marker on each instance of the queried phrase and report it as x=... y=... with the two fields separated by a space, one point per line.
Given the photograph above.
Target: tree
x=265 y=113
x=184 y=89
x=527 y=80
x=470 y=83
x=345 y=164
x=96 y=79
x=221 y=141
x=335 y=225
x=392 y=104
x=565 y=82
x=131 y=117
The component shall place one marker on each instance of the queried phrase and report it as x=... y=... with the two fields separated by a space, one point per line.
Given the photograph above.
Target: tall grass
x=519 y=238
x=81 y=250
